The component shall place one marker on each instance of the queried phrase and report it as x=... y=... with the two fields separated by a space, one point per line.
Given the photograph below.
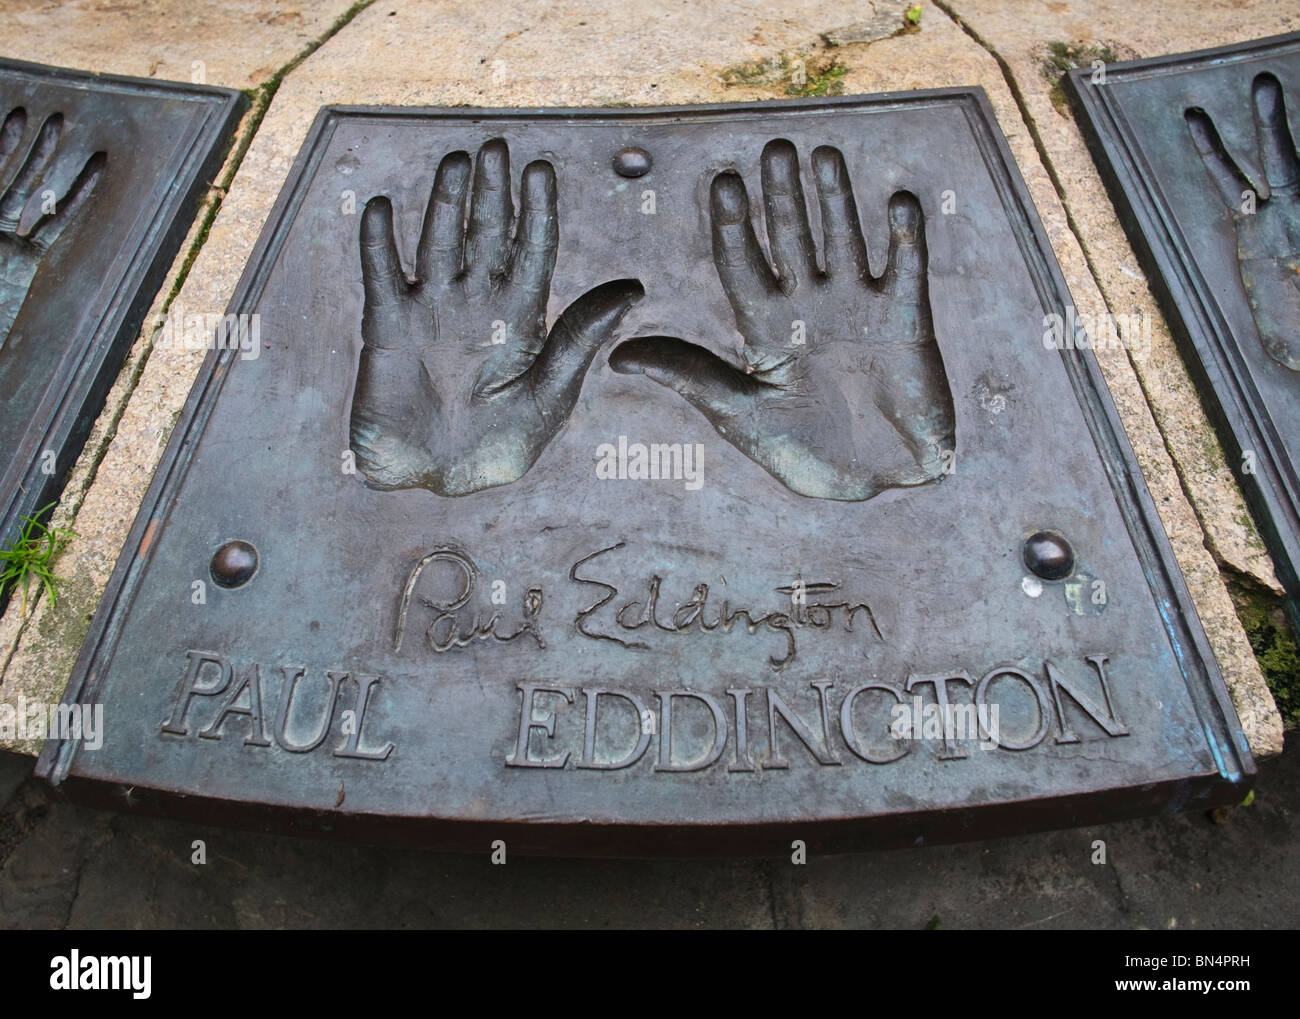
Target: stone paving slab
x=236 y=43
x=583 y=53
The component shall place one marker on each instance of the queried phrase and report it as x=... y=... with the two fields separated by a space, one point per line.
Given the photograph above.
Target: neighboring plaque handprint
x=460 y=385
x=1266 y=214
x=842 y=392
x=26 y=168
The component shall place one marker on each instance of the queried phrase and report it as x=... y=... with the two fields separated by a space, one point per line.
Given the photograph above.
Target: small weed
x=30 y=557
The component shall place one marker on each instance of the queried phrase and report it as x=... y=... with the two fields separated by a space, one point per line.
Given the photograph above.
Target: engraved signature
x=815 y=606
x=446 y=630
x=690 y=616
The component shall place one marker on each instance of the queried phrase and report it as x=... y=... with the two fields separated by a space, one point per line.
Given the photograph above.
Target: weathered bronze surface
x=1199 y=153
x=556 y=508
x=99 y=179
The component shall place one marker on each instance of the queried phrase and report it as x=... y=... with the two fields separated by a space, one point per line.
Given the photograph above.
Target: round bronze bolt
x=1049 y=556
x=234 y=564
x=632 y=162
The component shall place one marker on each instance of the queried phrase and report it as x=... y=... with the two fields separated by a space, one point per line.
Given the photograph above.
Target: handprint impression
x=460 y=386
x=842 y=392
x=21 y=254
x=1268 y=231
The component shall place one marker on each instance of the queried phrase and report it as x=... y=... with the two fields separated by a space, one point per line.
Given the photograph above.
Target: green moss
x=1062 y=57
x=1273 y=640
x=66 y=628
x=791 y=74
x=753 y=73
x=825 y=82
x=1212 y=451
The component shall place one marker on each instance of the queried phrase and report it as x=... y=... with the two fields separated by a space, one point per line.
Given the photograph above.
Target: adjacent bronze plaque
x=1199 y=153
x=99 y=180
x=652 y=481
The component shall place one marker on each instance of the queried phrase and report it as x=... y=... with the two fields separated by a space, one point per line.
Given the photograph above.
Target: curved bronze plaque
x=1200 y=157
x=650 y=481
x=99 y=180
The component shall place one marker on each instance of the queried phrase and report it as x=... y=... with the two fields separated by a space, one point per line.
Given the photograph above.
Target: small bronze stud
x=234 y=564
x=632 y=162
x=1049 y=556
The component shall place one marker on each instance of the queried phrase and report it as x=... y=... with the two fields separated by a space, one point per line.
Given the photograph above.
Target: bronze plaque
x=99 y=180
x=1199 y=153
x=652 y=481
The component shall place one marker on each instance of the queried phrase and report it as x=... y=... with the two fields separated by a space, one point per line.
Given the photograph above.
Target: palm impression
x=840 y=392
x=1266 y=214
